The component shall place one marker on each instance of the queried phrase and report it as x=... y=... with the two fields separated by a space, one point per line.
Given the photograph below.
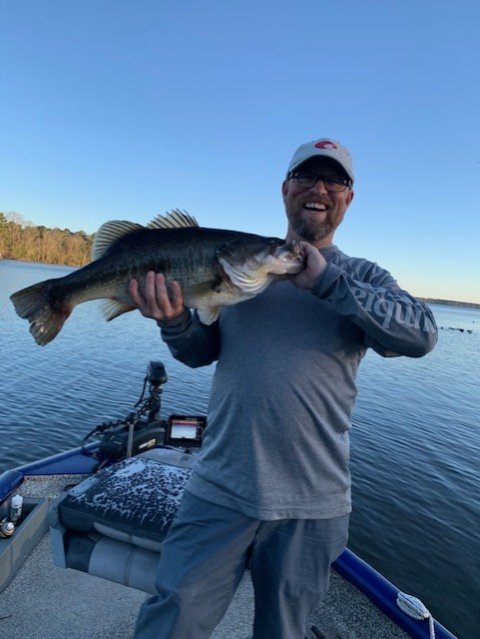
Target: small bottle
x=6 y=529
x=16 y=508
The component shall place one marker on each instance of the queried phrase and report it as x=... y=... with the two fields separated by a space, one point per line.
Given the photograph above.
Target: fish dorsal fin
x=109 y=233
x=173 y=220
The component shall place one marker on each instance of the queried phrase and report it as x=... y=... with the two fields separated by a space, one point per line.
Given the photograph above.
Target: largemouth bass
x=214 y=267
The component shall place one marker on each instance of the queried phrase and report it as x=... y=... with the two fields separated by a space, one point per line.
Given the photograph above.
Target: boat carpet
x=46 y=602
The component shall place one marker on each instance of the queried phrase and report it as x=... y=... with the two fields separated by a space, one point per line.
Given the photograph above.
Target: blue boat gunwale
x=384 y=595
x=75 y=461
x=381 y=592
x=80 y=461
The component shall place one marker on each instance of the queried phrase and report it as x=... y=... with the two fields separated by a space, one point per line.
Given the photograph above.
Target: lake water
x=415 y=434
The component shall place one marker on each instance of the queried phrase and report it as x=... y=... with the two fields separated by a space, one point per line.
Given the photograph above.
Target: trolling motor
x=144 y=429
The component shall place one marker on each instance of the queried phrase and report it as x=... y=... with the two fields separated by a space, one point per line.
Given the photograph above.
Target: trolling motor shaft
x=140 y=430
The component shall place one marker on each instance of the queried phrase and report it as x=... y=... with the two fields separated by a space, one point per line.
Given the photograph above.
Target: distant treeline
x=431 y=300
x=21 y=240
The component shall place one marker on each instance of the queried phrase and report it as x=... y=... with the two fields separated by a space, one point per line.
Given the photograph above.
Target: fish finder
x=185 y=431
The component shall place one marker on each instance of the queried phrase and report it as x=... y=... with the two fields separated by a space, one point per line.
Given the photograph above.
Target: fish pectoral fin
x=109 y=233
x=173 y=220
x=112 y=309
x=208 y=314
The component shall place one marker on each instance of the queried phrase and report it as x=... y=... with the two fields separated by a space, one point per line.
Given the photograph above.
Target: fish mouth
x=291 y=255
x=289 y=250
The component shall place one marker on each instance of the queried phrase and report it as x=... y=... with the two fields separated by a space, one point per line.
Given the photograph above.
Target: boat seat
x=112 y=524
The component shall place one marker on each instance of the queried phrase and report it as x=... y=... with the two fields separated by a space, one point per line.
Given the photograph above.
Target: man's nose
x=319 y=186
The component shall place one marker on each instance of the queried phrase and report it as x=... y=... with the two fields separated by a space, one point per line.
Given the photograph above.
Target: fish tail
x=46 y=318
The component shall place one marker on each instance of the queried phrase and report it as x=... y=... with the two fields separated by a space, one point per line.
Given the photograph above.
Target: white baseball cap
x=324 y=147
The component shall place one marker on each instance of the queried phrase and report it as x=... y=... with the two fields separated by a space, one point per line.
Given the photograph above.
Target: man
x=271 y=487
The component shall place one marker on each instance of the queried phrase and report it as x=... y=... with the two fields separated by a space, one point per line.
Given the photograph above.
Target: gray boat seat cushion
x=133 y=501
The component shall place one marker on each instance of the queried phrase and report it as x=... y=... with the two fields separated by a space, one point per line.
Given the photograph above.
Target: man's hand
x=315 y=265
x=159 y=301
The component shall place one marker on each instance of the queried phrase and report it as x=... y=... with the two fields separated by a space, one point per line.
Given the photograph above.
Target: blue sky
x=125 y=109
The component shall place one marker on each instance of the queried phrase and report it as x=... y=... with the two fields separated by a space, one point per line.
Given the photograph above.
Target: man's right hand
x=158 y=301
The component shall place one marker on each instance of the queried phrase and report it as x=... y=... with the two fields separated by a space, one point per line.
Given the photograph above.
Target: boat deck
x=46 y=602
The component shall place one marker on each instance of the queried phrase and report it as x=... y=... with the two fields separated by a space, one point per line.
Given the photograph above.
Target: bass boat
x=80 y=537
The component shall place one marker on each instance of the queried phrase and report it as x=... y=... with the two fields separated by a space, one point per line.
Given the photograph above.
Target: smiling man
x=271 y=486
x=317 y=192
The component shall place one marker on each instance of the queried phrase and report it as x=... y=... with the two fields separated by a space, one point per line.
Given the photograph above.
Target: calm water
x=415 y=435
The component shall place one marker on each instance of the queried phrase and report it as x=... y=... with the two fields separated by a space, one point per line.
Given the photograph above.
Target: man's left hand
x=315 y=265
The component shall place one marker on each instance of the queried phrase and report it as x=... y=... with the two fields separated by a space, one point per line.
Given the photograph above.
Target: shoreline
x=431 y=300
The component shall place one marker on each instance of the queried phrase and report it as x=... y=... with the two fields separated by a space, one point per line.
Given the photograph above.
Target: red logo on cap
x=326 y=144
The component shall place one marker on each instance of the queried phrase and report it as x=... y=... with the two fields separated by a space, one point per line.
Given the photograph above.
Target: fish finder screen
x=184 y=429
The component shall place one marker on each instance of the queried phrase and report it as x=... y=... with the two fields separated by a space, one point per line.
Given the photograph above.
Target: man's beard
x=311 y=230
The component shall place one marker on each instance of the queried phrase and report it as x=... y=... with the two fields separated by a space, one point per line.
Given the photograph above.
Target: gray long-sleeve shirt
x=277 y=442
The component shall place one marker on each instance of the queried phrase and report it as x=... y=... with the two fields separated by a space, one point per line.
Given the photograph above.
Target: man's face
x=314 y=213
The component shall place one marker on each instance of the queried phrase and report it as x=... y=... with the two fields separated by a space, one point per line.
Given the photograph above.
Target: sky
x=122 y=109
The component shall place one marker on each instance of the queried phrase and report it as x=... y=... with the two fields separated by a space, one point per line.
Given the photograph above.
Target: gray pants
x=205 y=555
